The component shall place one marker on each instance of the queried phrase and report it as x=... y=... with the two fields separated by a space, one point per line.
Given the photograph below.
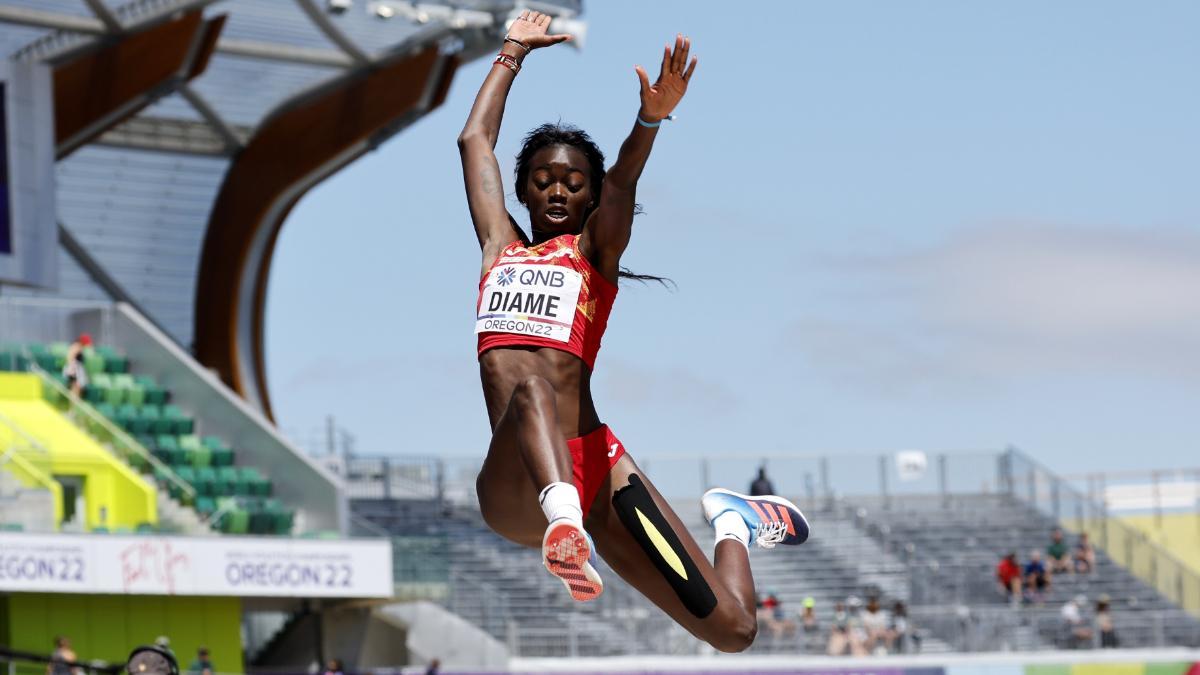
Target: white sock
x=730 y=525
x=561 y=500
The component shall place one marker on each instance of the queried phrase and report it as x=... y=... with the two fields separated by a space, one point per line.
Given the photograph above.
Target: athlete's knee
x=532 y=393
x=734 y=632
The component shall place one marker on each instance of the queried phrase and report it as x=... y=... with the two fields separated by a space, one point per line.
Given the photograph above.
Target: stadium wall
x=1179 y=533
x=108 y=626
x=114 y=494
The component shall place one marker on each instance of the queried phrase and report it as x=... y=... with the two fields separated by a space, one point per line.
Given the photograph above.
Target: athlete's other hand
x=660 y=98
x=530 y=30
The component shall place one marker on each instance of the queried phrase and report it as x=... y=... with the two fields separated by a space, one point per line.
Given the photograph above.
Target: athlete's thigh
x=617 y=545
x=508 y=498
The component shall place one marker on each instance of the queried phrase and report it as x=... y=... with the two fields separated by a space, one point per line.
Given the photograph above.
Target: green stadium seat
x=229 y=482
x=154 y=394
x=180 y=424
x=205 y=506
x=283 y=520
x=201 y=456
x=239 y=521
x=115 y=362
x=168 y=449
x=145 y=528
x=126 y=416
x=107 y=410
x=58 y=349
x=93 y=363
x=131 y=390
x=252 y=482
x=261 y=521
x=47 y=362
x=222 y=455
x=207 y=478
x=148 y=418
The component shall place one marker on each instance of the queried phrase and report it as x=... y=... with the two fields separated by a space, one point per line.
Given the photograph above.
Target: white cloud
x=1014 y=300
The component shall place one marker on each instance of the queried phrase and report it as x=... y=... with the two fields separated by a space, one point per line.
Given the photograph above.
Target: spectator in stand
x=844 y=635
x=434 y=667
x=1008 y=575
x=1057 y=554
x=1037 y=578
x=1105 y=625
x=1085 y=555
x=334 y=667
x=810 y=625
x=772 y=616
x=61 y=657
x=1076 y=633
x=73 y=370
x=899 y=631
x=875 y=624
x=202 y=665
x=761 y=485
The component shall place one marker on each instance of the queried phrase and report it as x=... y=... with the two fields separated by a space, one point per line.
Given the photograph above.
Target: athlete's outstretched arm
x=477 y=142
x=606 y=233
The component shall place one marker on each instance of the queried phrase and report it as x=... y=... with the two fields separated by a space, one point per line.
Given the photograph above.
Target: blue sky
x=929 y=225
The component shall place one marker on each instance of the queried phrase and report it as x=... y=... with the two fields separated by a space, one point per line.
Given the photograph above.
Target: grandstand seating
x=858 y=548
x=238 y=499
x=954 y=545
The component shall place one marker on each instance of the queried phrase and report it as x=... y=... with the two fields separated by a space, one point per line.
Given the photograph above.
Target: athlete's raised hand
x=530 y=30
x=660 y=98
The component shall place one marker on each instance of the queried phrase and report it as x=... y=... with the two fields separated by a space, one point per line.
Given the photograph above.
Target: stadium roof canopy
x=187 y=129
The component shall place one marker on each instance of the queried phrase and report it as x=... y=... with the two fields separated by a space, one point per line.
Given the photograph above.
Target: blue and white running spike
x=772 y=520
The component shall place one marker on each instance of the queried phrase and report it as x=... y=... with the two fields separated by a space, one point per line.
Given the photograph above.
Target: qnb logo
x=505 y=276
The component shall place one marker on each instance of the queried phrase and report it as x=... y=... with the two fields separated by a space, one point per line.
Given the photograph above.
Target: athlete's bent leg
x=529 y=430
x=526 y=454
x=730 y=623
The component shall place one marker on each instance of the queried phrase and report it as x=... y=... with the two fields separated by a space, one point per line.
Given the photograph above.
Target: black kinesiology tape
x=649 y=527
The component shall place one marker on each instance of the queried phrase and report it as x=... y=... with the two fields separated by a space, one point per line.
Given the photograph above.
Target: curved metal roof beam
x=337 y=37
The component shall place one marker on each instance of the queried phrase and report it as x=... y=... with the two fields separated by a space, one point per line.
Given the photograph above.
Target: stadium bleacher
x=935 y=553
x=137 y=418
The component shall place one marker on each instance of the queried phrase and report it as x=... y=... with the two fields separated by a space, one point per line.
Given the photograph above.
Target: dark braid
x=547 y=135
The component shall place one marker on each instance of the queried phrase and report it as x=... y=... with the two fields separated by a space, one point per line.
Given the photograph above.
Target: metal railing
x=120 y=444
x=38 y=319
x=30 y=462
x=1132 y=549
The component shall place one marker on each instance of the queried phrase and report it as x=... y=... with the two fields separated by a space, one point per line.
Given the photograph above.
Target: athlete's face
x=558 y=192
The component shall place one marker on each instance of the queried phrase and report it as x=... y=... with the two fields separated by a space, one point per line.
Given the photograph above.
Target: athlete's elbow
x=470 y=135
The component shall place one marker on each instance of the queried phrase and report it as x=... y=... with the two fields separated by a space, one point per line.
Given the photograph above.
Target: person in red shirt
x=1008 y=573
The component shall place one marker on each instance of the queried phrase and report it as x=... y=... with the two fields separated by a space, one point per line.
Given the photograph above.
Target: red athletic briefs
x=592 y=457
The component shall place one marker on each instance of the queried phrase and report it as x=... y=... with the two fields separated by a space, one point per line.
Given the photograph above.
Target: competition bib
x=537 y=300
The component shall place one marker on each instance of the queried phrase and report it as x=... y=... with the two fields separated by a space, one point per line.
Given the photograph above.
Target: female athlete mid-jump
x=555 y=476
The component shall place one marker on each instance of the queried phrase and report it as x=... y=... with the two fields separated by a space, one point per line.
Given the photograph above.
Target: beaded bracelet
x=508 y=62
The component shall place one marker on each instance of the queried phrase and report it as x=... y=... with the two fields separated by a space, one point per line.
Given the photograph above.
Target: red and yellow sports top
x=546 y=295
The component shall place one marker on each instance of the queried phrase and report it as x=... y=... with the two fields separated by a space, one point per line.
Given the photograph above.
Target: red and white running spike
x=565 y=552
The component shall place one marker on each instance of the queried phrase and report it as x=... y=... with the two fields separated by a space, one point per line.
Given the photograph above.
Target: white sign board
x=910 y=464
x=213 y=566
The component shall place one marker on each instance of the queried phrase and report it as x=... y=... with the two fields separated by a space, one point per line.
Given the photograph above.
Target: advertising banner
x=216 y=566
